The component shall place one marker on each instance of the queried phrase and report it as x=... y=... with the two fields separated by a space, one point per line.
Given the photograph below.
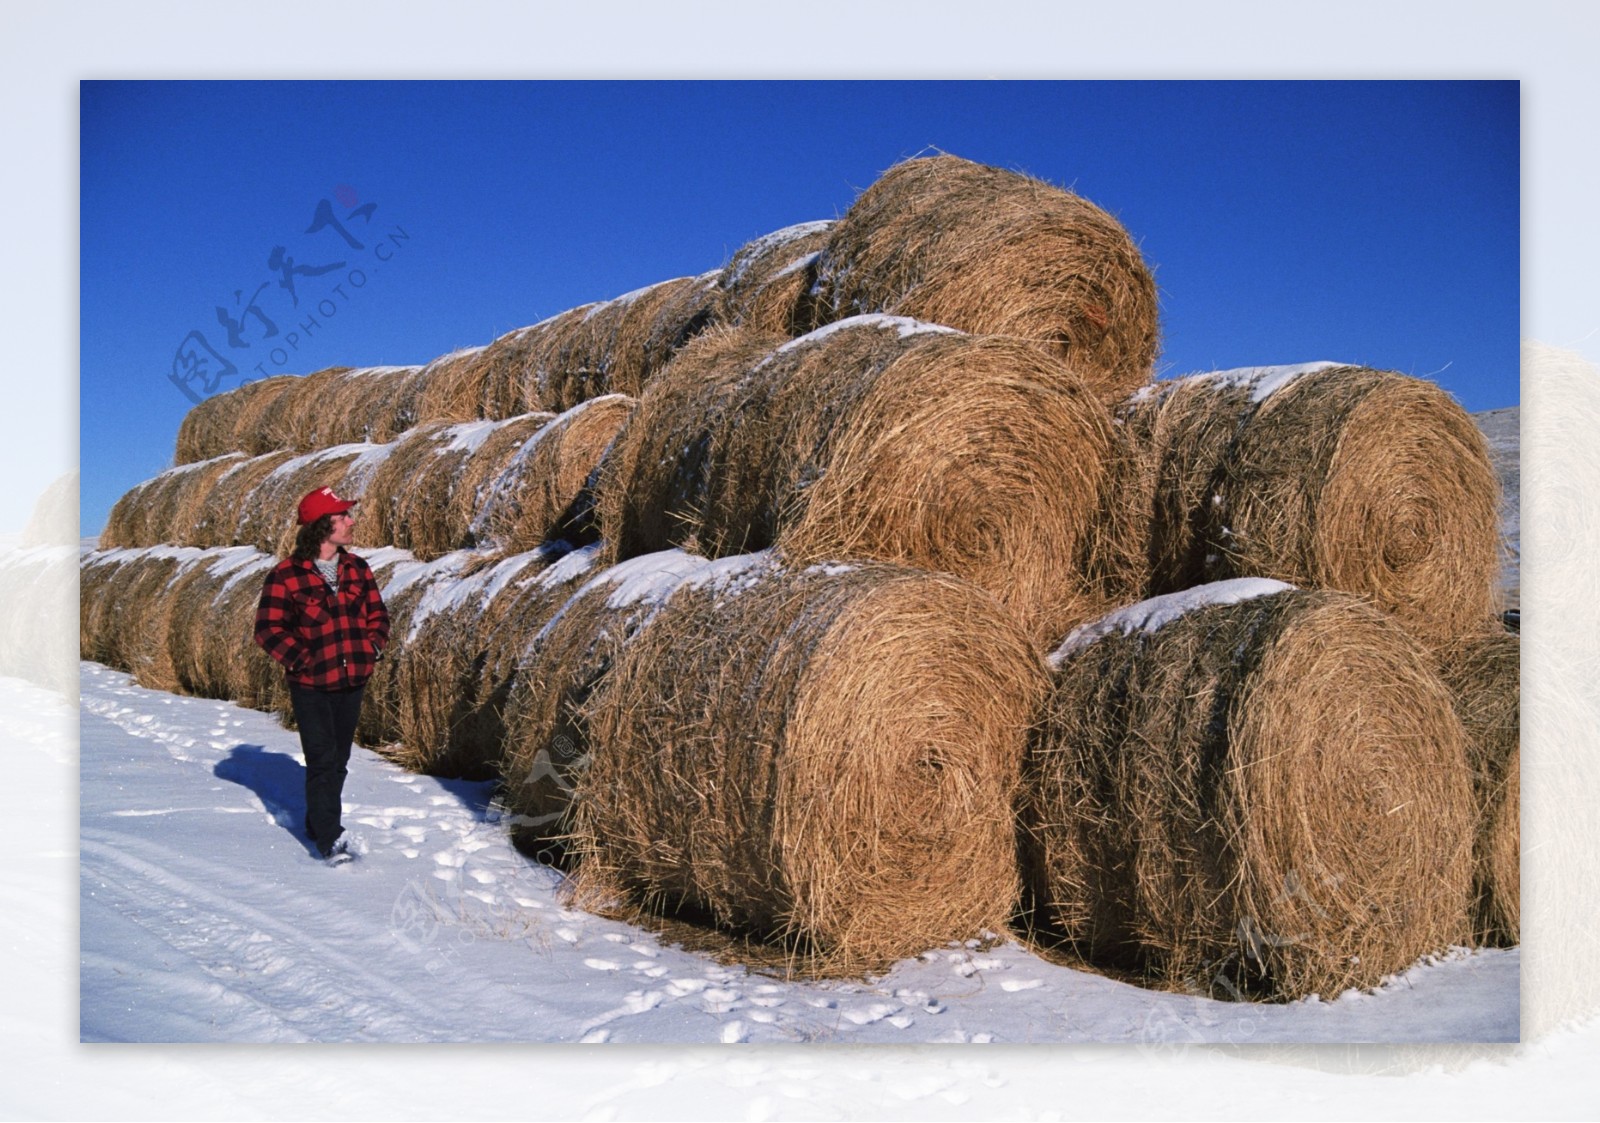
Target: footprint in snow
x=867 y=1015
x=601 y=964
x=595 y=1037
x=681 y=987
x=717 y=1001
x=733 y=1033
x=482 y=877
x=567 y=934
x=1021 y=984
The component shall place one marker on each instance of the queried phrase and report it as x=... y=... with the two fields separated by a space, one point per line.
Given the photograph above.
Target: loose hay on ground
x=1267 y=797
x=997 y=253
x=826 y=757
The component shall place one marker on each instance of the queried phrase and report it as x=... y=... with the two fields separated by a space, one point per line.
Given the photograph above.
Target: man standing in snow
x=322 y=617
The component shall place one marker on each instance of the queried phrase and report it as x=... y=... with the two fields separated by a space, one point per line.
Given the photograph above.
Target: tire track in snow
x=301 y=979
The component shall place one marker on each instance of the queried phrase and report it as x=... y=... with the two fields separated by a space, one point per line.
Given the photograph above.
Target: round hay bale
x=289 y=419
x=368 y=405
x=994 y=252
x=97 y=582
x=441 y=684
x=1250 y=789
x=876 y=437
x=215 y=425
x=229 y=500
x=452 y=387
x=824 y=756
x=128 y=594
x=612 y=352
x=431 y=485
x=506 y=384
x=562 y=344
x=767 y=285
x=546 y=743
x=1322 y=475
x=471 y=495
x=545 y=490
x=403 y=581
x=515 y=614
x=689 y=308
x=165 y=508
x=267 y=514
x=1483 y=672
x=212 y=624
x=408 y=498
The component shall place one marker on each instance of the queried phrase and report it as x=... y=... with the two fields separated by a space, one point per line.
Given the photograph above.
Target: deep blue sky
x=1368 y=222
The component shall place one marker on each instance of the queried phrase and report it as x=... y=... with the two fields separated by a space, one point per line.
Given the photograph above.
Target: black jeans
x=327 y=721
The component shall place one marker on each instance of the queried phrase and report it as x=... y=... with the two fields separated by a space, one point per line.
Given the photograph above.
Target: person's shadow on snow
x=279 y=781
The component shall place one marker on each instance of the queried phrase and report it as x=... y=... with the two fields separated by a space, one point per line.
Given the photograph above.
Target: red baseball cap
x=322 y=502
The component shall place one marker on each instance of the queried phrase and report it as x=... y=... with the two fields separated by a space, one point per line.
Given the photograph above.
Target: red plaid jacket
x=324 y=641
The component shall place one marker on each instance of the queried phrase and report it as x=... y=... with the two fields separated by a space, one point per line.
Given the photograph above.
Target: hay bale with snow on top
x=821 y=756
x=167 y=507
x=767 y=285
x=546 y=744
x=1251 y=790
x=371 y=405
x=516 y=614
x=403 y=581
x=452 y=387
x=216 y=425
x=618 y=345
x=506 y=386
x=211 y=631
x=994 y=252
x=230 y=500
x=1322 y=475
x=877 y=437
x=545 y=489
x=441 y=655
x=268 y=514
x=287 y=421
x=408 y=500
x=128 y=598
x=560 y=343
x=1483 y=672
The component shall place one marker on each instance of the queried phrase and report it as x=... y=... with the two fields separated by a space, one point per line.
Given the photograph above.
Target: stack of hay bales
x=874 y=437
x=742 y=581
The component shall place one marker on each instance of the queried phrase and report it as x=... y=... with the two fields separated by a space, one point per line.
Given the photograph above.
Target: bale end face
x=826 y=759
x=1268 y=798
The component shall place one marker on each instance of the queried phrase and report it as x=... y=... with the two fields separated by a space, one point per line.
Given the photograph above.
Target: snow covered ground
x=205 y=918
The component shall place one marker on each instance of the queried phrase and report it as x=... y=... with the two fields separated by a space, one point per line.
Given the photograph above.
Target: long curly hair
x=308 y=539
